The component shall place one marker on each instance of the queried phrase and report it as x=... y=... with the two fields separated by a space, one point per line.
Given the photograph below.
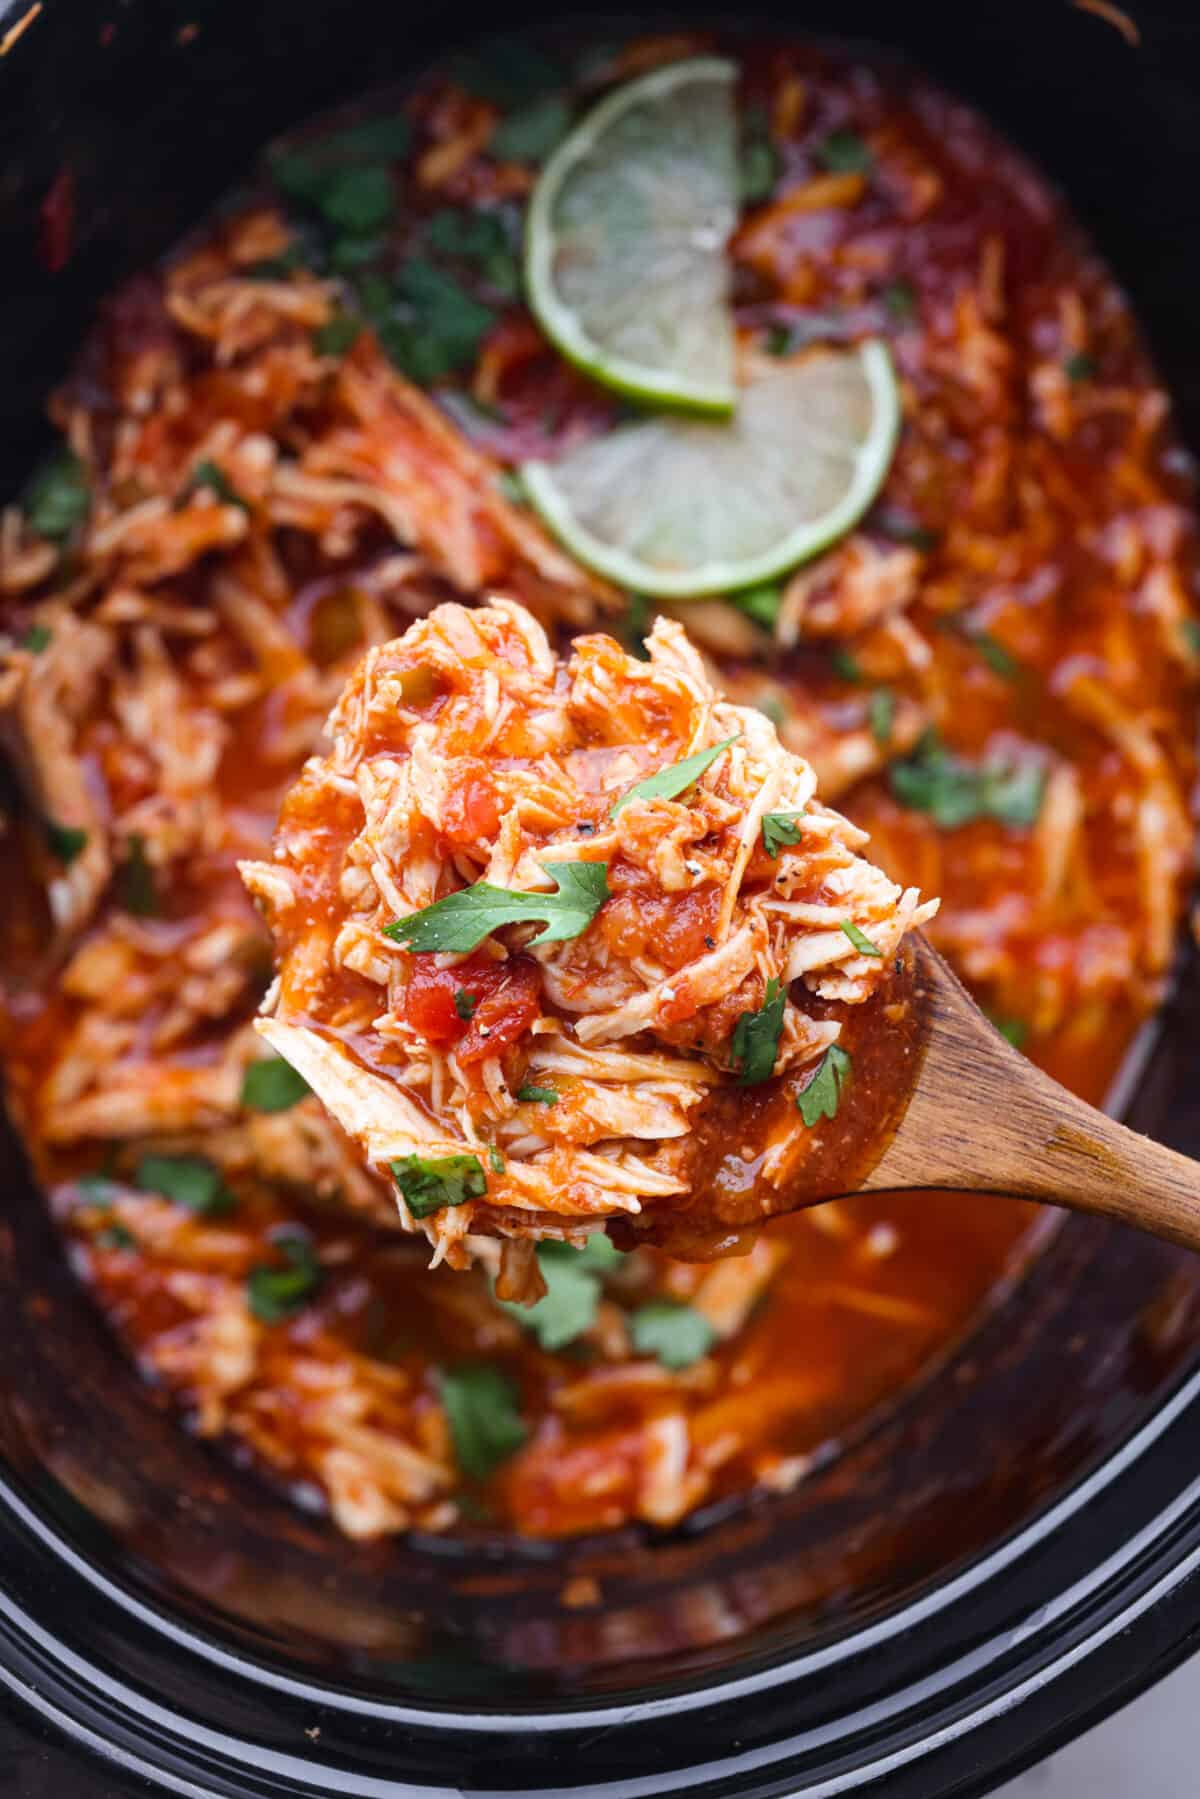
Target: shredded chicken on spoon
x=534 y=916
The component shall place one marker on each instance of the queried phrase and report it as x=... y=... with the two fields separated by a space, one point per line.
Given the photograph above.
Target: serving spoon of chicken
x=570 y=943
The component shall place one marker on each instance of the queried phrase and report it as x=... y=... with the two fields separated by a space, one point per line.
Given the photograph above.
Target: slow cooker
x=1008 y=1556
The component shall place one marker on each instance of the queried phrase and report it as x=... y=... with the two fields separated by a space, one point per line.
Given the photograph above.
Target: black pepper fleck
x=710 y=943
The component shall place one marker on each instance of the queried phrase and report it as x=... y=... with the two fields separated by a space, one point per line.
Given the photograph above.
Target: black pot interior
x=158 y=107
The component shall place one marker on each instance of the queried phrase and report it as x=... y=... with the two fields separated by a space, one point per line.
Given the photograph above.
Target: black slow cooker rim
x=1068 y=1653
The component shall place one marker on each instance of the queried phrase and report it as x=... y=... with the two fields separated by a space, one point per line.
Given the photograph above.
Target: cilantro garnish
x=540 y=1096
x=115 y=1236
x=1079 y=367
x=758 y=161
x=901 y=301
x=272 y=1085
x=439 y=327
x=844 y=153
x=820 y=1098
x=495 y=1160
x=483 y=1411
x=67 y=842
x=137 y=889
x=58 y=499
x=430 y=1183
x=187 y=1181
x=464 y=1004
x=862 y=944
x=1013 y=1030
x=760 y=603
x=276 y=1294
x=531 y=133
x=36 y=639
x=635 y=626
x=881 y=714
x=208 y=474
x=780 y=829
x=677 y=1334
x=846 y=665
x=755 y=1039
x=338 y=334
x=461 y=921
x=955 y=792
x=669 y=783
x=568 y=1307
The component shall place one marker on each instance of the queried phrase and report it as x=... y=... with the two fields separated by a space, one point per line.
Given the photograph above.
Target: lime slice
x=679 y=507
x=625 y=238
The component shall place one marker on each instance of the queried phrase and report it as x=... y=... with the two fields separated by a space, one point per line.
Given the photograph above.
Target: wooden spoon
x=981 y=1118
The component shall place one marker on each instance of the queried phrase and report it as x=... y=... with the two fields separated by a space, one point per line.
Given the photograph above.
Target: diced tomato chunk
x=429 y=1002
x=502 y=1000
x=472 y=812
x=505 y=1012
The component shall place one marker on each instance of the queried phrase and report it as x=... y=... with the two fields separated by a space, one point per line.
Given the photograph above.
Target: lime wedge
x=625 y=238
x=679 y=507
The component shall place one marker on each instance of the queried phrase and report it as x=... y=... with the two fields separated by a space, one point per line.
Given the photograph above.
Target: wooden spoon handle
x=984 y=1119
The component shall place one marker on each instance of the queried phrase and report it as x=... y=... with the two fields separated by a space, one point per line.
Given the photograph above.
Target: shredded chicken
x=467 y=752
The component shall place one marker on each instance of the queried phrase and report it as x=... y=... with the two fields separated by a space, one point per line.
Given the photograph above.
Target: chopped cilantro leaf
x=881 y=714
x=208 y=474
x=635 y=625
x=1013 y=1030
x=58 y=498
x=1002 y=662
x=755 y=1040
x=844 y=153
x=187 y=1181
x=531 y=133
x=272 y=1085
x=137 y=889
x=862 y=944
x=758 y=160
x=357 y=200
x=670 y=782
x=276 y=1294
x=116 y=1236
x=780 y=828
x=567 y=1309
x=677 y=1334
x=820 y=1098
x=36 y=639
x=465 y=1004
x=529 y=1095
x=495 y=1160
x=1191 y=633
x=846 y=666
x=444 y=326
x=955 y=792
x=1079 y=367
x=461 y=921
x=483 y=1410
x=901 y=301
x=338 y=334
x=760 y=603
x=430 y=1183
x=779 y=340
x=67 y=842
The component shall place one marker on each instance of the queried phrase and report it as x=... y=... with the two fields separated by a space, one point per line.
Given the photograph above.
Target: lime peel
x=608 y=218
x=623 y=469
